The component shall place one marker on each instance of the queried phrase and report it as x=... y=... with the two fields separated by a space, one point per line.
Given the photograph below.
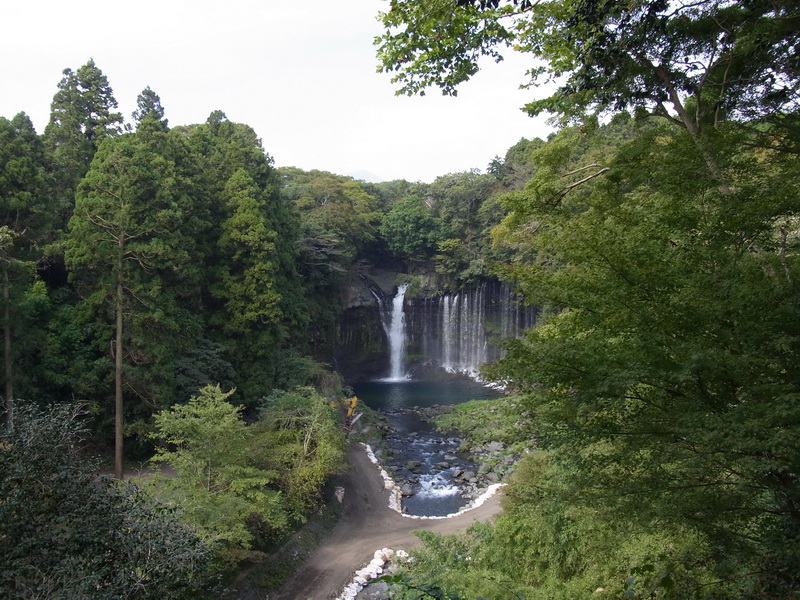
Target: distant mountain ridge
x=365 y=176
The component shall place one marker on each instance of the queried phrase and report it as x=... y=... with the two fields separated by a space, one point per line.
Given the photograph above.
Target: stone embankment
x=388 y=561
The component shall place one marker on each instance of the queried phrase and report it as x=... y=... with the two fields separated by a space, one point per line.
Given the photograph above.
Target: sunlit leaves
x=303 y=441
x=674 y=345
x=433 y=43
x=209 y=446
x=697 y=63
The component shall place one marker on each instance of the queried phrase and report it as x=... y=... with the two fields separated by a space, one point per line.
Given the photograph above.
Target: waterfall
x=394 y=326
x=396 y=332
x=448 y=326
x=460 y=332
x=457 y=333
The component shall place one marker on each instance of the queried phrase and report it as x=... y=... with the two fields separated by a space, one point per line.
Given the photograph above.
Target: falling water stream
x=396 y=331
x=460 y=332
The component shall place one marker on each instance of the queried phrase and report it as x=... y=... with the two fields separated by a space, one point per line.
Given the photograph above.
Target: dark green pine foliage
x=148 y=107
x=82 y=114
x=26 y=225
x=132 y=254
x=253 y=292
x=247 y=286
x=25 y=207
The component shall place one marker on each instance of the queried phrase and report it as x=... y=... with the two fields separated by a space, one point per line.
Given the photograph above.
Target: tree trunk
x=118 y=472
x=9 y=391
x=692 y=126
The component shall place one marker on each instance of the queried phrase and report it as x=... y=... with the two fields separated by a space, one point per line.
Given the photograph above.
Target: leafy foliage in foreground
x=65 y=533
x=243 y=485
x=731 y=58
x=209 y=446
x=303 y=441
x=664 y=386
x=549 y=544
x=664 y=390
x=673 y=371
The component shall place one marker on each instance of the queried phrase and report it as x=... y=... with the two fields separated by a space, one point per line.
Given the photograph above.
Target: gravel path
x=367 y=524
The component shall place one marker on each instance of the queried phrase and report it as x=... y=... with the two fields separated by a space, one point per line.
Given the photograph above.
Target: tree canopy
x=657 y=230
x=661 y=387
x=724 y=57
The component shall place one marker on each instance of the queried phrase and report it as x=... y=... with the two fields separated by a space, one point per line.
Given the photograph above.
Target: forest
x=172 y=300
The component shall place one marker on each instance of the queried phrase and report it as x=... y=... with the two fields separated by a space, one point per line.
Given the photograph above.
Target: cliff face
x=360 y=349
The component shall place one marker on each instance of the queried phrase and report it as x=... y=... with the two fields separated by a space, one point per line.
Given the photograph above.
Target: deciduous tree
x=218 y=480
x=696 y=64
x=303 y=441
x=669 y=370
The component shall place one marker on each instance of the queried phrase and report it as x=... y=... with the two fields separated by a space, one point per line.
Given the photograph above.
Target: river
x=428 y=460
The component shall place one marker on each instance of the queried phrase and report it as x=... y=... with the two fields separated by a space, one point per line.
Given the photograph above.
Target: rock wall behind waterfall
x=360 y=346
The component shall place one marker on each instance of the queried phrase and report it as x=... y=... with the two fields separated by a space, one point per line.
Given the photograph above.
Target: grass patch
x=480 y=422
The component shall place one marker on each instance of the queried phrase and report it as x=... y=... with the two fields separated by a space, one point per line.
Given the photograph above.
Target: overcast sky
x=302 y=73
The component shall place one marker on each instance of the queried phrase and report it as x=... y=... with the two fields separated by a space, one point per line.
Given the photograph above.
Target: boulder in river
x=407 y=489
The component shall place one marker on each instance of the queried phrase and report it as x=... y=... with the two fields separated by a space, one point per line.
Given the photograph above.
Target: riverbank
x=372 y=520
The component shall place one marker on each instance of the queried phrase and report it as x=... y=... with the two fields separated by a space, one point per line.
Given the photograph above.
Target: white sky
x=302 y=73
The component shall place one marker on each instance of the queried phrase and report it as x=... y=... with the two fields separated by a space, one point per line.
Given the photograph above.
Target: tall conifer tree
x=25 y=224
x=255 y=301
x=82 y=114
x=127 y=247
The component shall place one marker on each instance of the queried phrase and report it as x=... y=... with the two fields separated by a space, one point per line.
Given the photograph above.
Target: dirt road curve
x=367 y=524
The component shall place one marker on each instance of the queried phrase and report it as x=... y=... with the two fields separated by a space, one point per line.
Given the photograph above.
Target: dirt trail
x=367 y=524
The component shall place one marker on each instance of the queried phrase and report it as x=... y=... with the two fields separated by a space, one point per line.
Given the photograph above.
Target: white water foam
x=397 y=336
x=381 y=557
x=395 y=497
x=436 y=486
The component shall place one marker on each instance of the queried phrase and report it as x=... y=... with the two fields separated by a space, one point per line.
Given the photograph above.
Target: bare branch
x=584 y=180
